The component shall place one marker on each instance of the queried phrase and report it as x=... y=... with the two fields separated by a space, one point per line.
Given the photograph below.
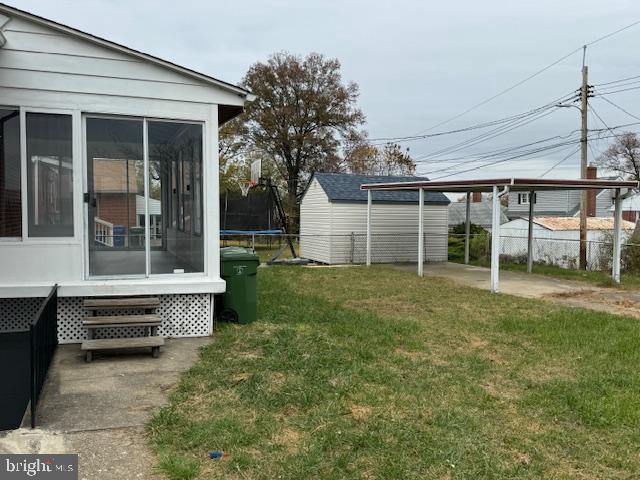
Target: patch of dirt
x=277 y=380
x=289 y=439
x=249 y=355
x=419 y=356
x=240 y=377
x=360 y=412
x=522 y=458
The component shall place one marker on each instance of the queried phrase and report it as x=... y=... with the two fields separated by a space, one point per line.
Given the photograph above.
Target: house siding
x=37 y=57
x=551 y=202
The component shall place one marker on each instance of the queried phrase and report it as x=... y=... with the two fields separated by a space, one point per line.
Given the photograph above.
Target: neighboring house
x=630 y=208
x=88 y=126
x=556 y=239
x=333 y=221
x=480 y=213
x=562 y=203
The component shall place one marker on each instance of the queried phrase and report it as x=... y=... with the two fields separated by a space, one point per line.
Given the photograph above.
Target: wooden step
x=120 y=343
x=123 y=321
x=122 y=302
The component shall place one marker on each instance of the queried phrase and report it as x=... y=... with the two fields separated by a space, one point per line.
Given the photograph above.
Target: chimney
x=476 y=197
x=592 y=174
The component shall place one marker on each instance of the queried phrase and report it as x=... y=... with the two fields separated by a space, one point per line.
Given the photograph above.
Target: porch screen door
x=115 y=197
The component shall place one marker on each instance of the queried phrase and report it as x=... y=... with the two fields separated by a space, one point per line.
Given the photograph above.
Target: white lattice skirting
x=182 y=316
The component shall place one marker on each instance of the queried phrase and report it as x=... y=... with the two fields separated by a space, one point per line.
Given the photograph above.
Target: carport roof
x=514 y=184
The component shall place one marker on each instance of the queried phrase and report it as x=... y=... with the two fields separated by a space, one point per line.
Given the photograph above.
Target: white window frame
x=25 y=239
x=525 y=195
x=85 y=180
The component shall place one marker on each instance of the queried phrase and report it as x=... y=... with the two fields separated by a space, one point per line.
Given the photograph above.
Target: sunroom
x=108 y=176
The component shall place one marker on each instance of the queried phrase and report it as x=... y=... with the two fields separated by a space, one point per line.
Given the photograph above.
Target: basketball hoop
x=245 y=186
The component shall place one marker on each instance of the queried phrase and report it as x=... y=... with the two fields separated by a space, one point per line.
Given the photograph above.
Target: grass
x=602 y=279
x=376 y=374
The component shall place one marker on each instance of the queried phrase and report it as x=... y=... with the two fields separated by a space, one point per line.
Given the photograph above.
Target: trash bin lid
x=238 y=253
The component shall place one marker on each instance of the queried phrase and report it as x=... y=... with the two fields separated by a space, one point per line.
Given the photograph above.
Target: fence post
x=420 y=231
x=467 y=228
x=353 y=243
x=617 y=227
x=368 y=228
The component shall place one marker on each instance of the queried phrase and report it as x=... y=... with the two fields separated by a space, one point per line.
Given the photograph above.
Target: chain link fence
x=403 y=248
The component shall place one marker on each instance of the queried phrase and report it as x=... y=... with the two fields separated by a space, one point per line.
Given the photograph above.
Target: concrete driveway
x=567 y=292
x=99 y=409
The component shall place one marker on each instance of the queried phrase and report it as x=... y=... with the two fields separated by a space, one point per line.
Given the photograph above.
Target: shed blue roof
x=345 y=187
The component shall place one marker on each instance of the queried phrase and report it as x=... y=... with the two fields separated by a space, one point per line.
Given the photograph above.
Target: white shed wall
x=394 y=229
x=315 y=224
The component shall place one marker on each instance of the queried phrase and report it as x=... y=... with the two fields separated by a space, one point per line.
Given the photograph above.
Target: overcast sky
x=418 y=63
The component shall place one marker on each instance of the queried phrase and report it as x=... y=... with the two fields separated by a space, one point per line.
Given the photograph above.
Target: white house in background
x=563 y=203
x=630 y=207
x=100 y=140
x=333 y=221
x=556 y=239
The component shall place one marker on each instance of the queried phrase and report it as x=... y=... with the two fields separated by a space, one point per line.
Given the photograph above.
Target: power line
x=533 y=75
x=616 y=81
x=618 y=91
x=508 y=119
x=620 y=108
x=564 y=159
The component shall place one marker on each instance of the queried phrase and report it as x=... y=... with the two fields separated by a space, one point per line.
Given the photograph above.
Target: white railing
x=103 y=232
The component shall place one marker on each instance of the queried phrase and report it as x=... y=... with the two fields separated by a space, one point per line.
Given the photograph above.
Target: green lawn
x=377 y=374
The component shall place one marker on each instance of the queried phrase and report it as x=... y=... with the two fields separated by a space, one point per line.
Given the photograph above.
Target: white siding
x=603 y=203
x=315 y=224
x=394 y=229
x=39 y=58
x=556 y=202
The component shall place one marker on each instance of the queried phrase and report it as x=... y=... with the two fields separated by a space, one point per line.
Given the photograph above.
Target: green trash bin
x=239 y=267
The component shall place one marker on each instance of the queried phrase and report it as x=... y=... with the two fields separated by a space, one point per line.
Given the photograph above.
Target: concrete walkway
x=99 y=409
x=567 y=292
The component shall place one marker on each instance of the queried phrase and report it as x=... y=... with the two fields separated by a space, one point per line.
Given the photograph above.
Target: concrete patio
x=99 y=410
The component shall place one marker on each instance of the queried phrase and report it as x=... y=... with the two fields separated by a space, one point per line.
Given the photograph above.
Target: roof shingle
x=345 y=187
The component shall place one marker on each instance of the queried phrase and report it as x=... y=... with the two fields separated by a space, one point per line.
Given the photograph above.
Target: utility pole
x=584 y=95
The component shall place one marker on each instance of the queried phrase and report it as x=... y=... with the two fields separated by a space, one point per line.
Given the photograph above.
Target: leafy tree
x=364 y=158
x=623 y=156
x=301 y=117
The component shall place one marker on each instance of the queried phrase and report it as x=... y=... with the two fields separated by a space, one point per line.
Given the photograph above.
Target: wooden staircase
x=147 y=319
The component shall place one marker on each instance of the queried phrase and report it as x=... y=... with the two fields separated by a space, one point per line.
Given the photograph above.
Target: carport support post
x=530 y=234
x=368 y=228
x=420 y=231
x=617 y=227
x=495 y=241
x=467 y=228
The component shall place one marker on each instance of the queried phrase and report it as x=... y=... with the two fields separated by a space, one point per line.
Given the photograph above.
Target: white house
x=556 y=239
x=333 y=221
x=109 y=176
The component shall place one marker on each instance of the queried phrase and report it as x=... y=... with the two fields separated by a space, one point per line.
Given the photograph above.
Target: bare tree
x=301 y=117
x=364 y=158
x=623 y=156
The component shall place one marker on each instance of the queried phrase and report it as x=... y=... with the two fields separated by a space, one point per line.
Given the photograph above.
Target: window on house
x=525 y=198
x=10 y=186
x=49 y=175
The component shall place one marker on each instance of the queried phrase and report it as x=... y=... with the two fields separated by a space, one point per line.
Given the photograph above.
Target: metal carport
x=499 y=187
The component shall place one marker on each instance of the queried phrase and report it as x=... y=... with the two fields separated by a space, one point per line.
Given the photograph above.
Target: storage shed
x=333 y=221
